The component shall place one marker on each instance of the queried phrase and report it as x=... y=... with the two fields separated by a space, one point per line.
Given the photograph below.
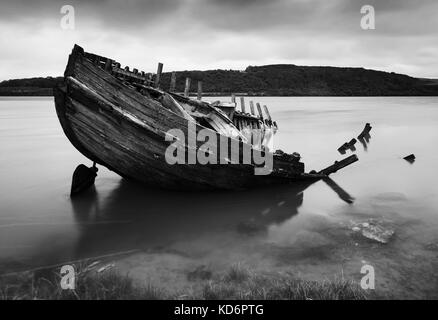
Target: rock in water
x=410 y=158
x=377 y=232
x=374 y=231
x=83 y=178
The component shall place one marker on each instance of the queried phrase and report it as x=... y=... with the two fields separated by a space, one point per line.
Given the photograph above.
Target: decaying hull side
x=124 y=129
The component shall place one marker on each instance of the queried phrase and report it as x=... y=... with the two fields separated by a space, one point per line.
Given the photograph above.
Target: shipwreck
x=120 y=118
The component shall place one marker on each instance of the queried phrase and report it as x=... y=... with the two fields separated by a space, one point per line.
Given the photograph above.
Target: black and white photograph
x=219 y=150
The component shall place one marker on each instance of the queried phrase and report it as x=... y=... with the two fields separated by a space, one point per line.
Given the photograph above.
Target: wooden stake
x=158 y=77
x=109 y=65
x=233 y=98
x=251 y=105
x=259 y=109
x=267 y=112
x=242 y=104
x=199 y=90
x=187 y=87
x=173 y=82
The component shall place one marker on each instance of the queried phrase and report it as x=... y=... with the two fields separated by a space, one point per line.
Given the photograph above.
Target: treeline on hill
x=275 y=80
x=29 y=87
x=291 y=80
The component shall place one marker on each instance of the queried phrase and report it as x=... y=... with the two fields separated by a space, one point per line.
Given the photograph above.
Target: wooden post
x=126 y=78
x=109 y=65
x=251 y=105
x=158 y=77
x=242 y=104
x=187 y=87
x=259 y=109
x=267 y=112
x=173 y=82
x=199 y=90
x=233 y=98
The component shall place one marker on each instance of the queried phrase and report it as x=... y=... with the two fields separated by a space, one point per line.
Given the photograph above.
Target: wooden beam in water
x=173 y=82
x=199 y=90
x=365 y=131
x=187 y=87
x=251 y=105
x=339 y=165
x=242 y=104
x=158 y=77
x=267 y=112
x=259 y=109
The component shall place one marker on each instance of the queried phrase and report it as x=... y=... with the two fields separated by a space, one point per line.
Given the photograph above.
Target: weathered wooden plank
x=199 y=96
x=251 y=105
x=158 y=75
x=259 y=109
x=242 y=104
x=187 y=87
x=267 y=112
x=173 y=82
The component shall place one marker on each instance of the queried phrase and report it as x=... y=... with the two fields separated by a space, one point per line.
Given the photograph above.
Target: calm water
x=161 y=236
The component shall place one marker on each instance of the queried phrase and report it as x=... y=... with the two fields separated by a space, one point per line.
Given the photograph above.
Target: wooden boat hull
x=119 y=128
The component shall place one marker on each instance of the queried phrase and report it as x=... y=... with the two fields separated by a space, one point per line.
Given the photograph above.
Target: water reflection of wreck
x=134 y=217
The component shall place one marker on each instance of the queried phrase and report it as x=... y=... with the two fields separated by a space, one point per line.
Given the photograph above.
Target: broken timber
x=339 y=165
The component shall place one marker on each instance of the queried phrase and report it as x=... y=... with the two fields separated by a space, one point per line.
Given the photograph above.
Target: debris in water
x=365 y=131
x=410 y=158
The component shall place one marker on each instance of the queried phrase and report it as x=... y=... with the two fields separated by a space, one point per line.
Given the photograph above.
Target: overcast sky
x=220 y=34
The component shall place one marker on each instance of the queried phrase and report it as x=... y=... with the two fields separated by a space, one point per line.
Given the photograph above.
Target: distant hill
x=272 y=80
x=29 y=87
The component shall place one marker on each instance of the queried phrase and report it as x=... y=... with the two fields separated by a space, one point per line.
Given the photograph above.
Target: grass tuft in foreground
x=238 y=282
x=109 y=285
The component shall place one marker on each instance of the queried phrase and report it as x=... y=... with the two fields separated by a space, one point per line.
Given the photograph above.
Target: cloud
x=205 y=34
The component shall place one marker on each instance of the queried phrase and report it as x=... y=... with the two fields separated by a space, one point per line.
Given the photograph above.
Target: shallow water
x=306 y=231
